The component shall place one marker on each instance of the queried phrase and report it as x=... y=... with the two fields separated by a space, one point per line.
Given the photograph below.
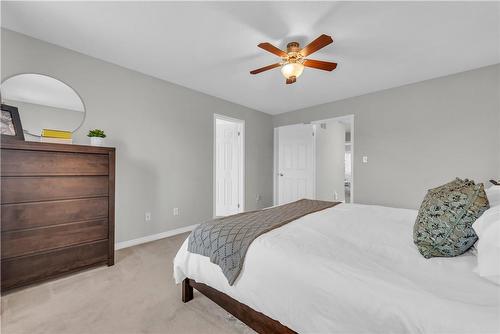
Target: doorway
x=314 y=161
x=229 y=162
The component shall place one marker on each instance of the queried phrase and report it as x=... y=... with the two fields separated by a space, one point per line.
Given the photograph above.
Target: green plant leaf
x=96 y=133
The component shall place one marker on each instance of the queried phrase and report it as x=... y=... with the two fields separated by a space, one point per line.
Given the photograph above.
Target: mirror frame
x=64 y=82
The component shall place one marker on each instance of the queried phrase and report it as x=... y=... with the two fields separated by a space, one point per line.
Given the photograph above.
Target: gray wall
x=163 y=134
x=330 y=161
x=419 y=136
x=416 y=136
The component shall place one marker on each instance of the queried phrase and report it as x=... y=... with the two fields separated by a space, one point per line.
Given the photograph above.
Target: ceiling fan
x=293 y=60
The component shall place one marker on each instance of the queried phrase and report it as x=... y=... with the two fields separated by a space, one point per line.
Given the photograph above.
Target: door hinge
x=238 y=205
x=313 y=134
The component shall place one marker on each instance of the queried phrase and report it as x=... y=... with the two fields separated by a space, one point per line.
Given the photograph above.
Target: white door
x=295 y=162
x=228 y=167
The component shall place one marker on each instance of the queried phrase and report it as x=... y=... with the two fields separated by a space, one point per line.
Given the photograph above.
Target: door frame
x=276 y=158
x=241 y=194
x=349 y=118
x=315 y=122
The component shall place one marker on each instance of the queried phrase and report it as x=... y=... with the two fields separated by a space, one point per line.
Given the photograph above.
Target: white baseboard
x=153 y=237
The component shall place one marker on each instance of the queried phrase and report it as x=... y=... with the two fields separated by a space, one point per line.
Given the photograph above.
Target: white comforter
x=354 y=269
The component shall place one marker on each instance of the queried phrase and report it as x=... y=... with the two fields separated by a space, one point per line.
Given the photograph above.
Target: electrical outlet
x=335 y=196
x=147 y=216
x=176 y=211
x=257 y=198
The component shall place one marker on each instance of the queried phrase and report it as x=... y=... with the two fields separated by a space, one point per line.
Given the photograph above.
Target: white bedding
x=354 y=269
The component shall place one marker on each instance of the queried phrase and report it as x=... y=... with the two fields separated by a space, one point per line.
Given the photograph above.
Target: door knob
x=281 y=174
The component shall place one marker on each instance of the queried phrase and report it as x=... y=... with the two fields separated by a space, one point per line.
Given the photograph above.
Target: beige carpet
x=136 y=295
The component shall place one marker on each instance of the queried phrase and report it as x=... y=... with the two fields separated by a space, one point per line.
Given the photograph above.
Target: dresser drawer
x=56 y=209
x=32 y=189
x=39 y=214
x=23 y=242
x=29 y=269
x=41 y=163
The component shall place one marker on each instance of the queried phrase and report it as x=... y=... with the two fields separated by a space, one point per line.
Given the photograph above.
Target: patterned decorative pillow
x=444 y=222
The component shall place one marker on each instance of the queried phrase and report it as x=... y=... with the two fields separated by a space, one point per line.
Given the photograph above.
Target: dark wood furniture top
x=57 y=210
x=259 y=322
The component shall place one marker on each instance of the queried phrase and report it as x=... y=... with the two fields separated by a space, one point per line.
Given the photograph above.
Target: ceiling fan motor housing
x=292 y=47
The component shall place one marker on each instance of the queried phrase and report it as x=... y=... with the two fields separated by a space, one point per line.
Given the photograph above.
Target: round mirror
x=43 y=103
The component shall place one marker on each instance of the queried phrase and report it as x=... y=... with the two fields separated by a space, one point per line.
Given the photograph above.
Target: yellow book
x=56 y=134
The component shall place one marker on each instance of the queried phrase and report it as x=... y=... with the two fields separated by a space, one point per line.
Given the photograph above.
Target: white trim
x=314 y=159
x=275 y=166
x=241 y=122
x=352 y=159
x=154 y=237
x=349 y=118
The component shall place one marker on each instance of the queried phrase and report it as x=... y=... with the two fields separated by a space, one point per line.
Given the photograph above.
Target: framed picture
x=11 y=123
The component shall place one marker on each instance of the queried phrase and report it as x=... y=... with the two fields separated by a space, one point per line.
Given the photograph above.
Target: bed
x=348 y=269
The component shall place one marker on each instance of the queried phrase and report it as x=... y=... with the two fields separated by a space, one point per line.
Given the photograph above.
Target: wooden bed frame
x=257 y=321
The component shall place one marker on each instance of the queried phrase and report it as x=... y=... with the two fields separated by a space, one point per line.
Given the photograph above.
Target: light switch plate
x=365 y=159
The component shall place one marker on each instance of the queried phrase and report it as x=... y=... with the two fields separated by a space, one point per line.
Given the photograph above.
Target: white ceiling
x=211 y=47
x=41 y=90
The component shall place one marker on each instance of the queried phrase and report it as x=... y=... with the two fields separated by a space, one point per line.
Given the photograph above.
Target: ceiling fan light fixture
x=292 y=70
x=293 y=61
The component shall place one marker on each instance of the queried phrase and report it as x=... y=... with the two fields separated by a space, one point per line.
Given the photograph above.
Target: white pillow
x=487 y=228
x=493 y=194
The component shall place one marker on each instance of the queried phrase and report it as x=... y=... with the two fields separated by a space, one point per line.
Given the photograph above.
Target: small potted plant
x=96 y=137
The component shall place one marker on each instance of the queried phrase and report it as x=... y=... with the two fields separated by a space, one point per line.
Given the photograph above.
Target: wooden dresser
x=57 y=210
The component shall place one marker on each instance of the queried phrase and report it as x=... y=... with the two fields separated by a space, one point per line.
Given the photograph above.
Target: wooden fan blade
x=271 y=48
x=265 y=68
x=320 y=65
x=291 y=80
x=315 y=45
